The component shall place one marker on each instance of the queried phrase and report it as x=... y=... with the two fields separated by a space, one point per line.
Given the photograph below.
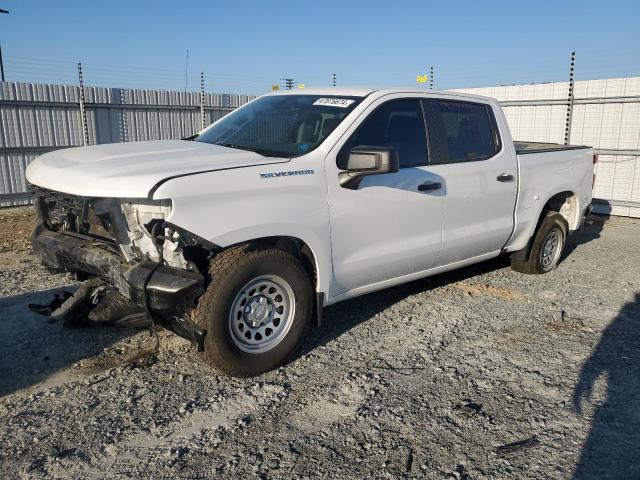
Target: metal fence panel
x=606 y=115
x=36 y=118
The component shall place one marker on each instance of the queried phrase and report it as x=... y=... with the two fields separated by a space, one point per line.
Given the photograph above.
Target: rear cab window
x=461 y=131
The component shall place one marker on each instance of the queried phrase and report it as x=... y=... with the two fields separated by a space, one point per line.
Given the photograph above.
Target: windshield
x=280 y=125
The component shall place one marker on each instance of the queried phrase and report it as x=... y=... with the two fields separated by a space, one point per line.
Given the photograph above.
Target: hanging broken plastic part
x=92 y=302
x=47 y=308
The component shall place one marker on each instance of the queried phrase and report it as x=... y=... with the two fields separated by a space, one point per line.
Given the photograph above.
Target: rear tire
x=547 y=246
x=256 y=309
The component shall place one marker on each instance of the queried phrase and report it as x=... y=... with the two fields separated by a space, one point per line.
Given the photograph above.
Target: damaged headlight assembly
x=134 y=260
x=140 y=230
x=144 y=221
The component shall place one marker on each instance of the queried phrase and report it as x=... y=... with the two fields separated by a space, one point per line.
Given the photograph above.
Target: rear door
x=479 y=172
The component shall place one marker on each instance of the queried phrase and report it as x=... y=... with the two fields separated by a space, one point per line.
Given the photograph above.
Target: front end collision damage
x=136 y=261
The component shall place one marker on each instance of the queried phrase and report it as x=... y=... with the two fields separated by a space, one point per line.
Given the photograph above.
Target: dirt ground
x=15 y=229
x=479 y=373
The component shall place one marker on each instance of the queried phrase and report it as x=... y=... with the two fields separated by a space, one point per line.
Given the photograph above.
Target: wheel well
x=566 y=204
x=294 y=246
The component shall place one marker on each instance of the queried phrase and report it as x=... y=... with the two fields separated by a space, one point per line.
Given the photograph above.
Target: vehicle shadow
x=31 y=349
x=590 y=231
x=612 y=449
x=342 y=317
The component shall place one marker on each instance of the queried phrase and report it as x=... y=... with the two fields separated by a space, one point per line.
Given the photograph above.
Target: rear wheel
x=256 y=309
x=547 y=247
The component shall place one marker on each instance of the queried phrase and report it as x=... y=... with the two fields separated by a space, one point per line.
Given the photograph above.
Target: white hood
x=132 y=169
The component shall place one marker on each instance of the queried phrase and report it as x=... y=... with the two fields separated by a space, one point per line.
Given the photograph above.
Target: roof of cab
x=333 y=91
x=364 y=91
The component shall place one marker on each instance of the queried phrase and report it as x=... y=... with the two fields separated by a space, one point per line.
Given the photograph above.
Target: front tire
x=255 y=310
x=547 y=247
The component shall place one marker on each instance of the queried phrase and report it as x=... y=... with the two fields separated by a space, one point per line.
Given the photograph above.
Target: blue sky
x=245 y=46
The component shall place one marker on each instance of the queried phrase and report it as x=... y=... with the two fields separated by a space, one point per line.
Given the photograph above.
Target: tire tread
x=530 y=265
x=223 y=266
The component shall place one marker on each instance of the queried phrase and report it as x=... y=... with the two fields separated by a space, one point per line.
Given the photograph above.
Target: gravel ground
x=479 y=373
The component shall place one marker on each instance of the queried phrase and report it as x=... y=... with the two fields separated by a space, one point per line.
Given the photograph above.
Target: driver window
x=398 y=124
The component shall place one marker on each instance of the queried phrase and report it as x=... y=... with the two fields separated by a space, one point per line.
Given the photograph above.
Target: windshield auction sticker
x=334 y=102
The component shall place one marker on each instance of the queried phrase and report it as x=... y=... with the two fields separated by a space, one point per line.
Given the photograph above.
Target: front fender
x=235 y=206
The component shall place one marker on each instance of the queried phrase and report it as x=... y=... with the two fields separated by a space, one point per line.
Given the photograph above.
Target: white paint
x=132 y=169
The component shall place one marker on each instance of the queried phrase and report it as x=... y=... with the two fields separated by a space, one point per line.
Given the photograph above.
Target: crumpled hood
x=133 y=169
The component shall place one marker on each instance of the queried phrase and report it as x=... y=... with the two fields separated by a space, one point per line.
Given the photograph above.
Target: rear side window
x=461 y=131
x=398 y=124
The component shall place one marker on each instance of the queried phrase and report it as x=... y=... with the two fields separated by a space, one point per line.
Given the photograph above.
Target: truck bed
x=544 y=170
x=522 y=148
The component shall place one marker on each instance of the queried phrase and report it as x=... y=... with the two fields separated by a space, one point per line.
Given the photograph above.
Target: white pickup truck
x=237 y=237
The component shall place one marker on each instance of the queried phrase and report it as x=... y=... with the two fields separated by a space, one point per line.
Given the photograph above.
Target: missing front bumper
x=170 y=292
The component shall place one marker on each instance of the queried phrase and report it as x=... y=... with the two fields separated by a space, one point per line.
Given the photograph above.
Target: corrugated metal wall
x=37 y=118
x=606 y=115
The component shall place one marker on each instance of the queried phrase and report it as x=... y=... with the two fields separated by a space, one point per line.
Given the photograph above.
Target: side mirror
x=364 y=160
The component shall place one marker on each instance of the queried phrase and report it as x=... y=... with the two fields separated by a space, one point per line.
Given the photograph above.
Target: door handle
x=429 y=186
x=505 y=177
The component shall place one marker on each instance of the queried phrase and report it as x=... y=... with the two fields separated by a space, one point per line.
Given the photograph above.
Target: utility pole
x=431 y=78
x=288 y=83
x=202 y=118
x=1 y=62
x=83 y=112
x=1 y=66
x=567 y=127
x=334 y=79
x=186 y=71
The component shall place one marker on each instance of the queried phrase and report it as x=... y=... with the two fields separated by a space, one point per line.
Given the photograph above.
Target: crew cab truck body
x=238 y=237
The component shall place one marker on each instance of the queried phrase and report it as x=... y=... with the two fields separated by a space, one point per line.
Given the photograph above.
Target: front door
x=389 y=226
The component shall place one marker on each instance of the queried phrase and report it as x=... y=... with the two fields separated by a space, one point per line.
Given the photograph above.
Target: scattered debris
x=142 y=359
x=519 y=445
x=462 y=472
x=563 y=322
x=468 y=408
x=47 y=309
x=409 y=465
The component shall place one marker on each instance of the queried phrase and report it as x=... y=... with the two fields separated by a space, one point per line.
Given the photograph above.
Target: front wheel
x=547 y=247
x=256 y=309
